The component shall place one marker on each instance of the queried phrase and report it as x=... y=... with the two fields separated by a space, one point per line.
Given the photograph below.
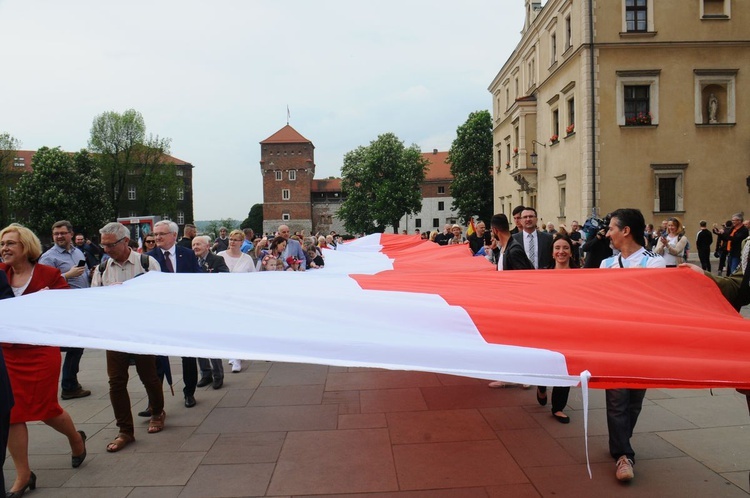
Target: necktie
x=168 y=262
x=532 y=250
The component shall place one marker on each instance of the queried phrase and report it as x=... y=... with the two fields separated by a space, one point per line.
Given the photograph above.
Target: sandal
x=121 y=441
x=156 y=424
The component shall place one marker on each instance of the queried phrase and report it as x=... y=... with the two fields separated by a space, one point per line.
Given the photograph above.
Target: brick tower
x=287 y=163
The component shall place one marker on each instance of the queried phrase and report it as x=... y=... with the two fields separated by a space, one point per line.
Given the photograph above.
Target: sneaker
x=497 y=384
x=236 y=366
x=78 y=393
x=624 y=469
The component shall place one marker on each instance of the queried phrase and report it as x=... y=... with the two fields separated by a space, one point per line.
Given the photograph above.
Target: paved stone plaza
x=279 y=429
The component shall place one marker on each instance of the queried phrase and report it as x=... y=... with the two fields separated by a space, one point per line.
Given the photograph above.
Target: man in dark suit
x=536 y=244
x=176 y=259
x=6 y=394
x=517 y=219
x=212 y=371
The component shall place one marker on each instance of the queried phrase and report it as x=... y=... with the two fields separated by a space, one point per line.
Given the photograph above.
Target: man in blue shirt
x=67 y=258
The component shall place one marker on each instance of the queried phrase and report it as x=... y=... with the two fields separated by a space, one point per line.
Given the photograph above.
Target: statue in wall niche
x=713 y=109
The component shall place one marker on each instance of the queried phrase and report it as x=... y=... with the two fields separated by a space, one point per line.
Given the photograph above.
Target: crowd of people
x=29 y=389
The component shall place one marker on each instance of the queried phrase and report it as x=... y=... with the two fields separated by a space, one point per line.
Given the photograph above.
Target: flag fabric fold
x=397 y=302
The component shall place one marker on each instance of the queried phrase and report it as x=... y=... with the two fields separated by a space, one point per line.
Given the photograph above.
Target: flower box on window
x=515 y=150
x=570 y=129
x=553 y=139
x=640 y=119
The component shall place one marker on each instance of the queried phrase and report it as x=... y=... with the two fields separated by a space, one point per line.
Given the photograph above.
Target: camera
x=594 y=225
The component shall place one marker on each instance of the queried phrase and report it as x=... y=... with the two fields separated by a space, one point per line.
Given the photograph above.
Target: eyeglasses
x=161 y=234
x=113 y=244
x=60 y=234
x=9 y=243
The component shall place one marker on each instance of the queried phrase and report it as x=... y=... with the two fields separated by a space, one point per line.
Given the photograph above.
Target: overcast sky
x=216 y=77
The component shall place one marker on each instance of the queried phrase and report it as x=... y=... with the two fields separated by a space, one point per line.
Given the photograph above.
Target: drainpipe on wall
x=593 y=108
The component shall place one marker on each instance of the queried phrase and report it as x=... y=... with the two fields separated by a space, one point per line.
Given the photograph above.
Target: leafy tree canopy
x=212 y=227
x=8 y=147
x=382 y=183
x=254 y=219
x=126 y=154
x=62 y=187
x=470 y=157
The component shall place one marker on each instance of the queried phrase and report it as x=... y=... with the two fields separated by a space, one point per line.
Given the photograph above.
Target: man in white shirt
x=626 y=229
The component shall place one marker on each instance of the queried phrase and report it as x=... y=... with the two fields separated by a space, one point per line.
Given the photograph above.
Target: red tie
x=168 y=262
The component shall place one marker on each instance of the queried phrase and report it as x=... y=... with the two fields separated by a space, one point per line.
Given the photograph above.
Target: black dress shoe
x=145 y=413
x=76 y=461
x=30 y=485
x=218 y=383
x=204 y=381
x=189 y=401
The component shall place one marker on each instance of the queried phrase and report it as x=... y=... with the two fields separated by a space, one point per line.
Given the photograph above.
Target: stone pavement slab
x=283 y=430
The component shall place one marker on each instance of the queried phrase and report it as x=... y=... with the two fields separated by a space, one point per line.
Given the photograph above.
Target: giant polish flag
x=397 y=302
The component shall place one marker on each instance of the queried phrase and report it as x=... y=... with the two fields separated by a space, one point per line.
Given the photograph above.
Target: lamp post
x=534 y=156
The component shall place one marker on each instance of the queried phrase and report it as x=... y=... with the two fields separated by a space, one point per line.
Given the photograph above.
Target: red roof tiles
x=286 y=135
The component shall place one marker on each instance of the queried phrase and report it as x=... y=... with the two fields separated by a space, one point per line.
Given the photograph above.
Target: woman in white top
x=671 y=245
x=238 y=262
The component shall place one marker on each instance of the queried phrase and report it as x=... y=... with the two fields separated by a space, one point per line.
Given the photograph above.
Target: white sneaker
x=236 y=365
x=624 y=469
x=497 y=384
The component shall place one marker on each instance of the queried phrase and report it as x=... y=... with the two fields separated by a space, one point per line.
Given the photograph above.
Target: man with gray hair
x=212 y=371
x=177 y=259
x=293 y=248
x=124 y=264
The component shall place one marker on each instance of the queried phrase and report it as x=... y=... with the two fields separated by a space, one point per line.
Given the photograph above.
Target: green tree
x=128 y=157
x=8 y=147
x=212 y=228
x=254 y=219
x=382 y=183
x=62 y=187
x=470 y=158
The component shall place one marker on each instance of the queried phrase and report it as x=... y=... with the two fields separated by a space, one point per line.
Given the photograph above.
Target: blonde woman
x=671 y=245
x=34 y=371
x=237 y=262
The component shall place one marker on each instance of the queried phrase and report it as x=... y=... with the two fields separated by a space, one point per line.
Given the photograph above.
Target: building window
x=555 y=124
x=668 y=187
x=180 y=172
x=131 y=193
x=180 y=194
x=516 y=83
x=715 y=9
x=552 y=49
x=285 y=217
x=181 y=218
x=441 y=206
x=133 y=214
x=418 y=223
x=279 y=176
x=19 y=162
x=637 y=105
x=637 y=98
x=636 y=15
x=292 y=174
x=571 y=115
x=441 y=190
x=165 y=216
x=715 y=96
x=436 y=223
x=285 y=194
x=568 y=33
x=507 y=98
x=164 y=193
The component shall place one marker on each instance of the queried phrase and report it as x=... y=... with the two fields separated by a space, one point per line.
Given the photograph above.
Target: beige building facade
x=654 y=117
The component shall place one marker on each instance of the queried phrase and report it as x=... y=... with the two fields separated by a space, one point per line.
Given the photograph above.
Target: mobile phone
x=81 y=263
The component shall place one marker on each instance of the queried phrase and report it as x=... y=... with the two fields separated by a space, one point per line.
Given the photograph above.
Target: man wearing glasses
x=72 y=264
x=122 y=265
x=173 y=258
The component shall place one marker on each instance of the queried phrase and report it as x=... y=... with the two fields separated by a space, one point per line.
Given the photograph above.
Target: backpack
x=144 y=264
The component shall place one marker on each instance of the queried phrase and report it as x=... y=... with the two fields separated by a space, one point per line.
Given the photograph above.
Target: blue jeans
x=623 y=408
x=734 y=262
x=69 y=381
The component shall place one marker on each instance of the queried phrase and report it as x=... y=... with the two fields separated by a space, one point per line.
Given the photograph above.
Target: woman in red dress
x=34 y=371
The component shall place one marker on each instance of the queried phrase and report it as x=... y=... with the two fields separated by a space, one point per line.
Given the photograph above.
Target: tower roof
x=286 y=135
